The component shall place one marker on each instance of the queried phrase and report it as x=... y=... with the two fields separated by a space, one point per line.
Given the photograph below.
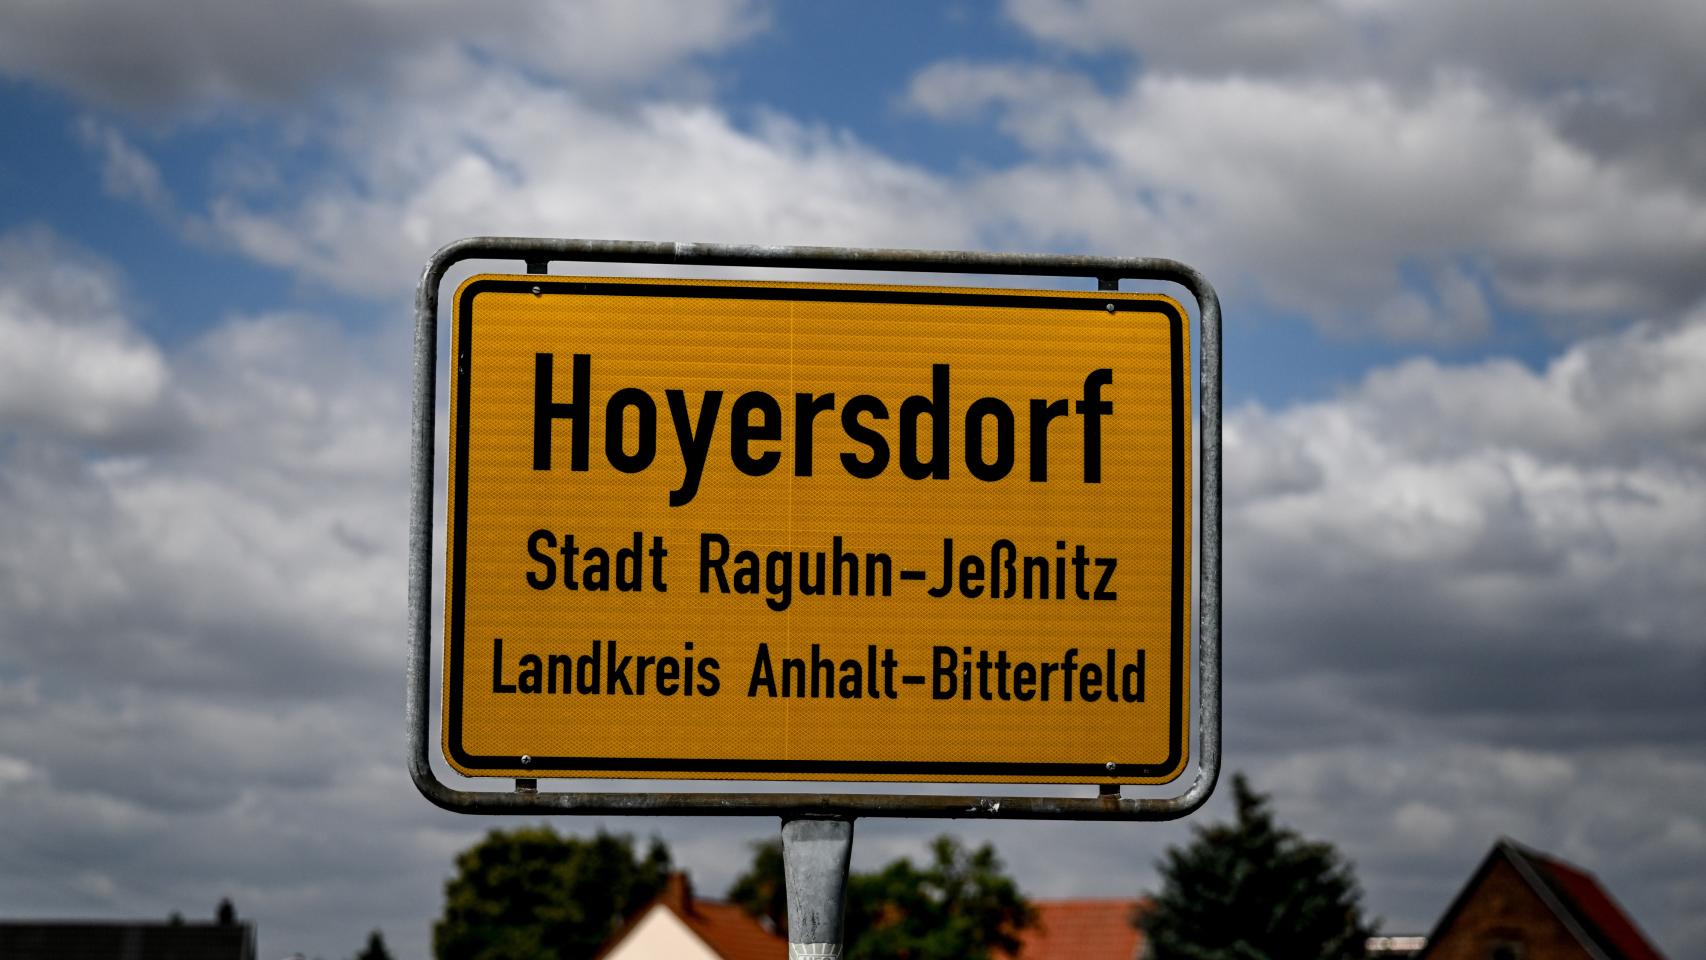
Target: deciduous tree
x=531 y=894
x=762 y=890
x=959 y=906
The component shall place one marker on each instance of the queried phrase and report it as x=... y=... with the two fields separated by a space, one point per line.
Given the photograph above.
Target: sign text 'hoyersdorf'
x=785 y=531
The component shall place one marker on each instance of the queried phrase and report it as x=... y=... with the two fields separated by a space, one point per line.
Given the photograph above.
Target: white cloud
x=96 y=884
x=1396 y=169
x=1446 y=804
x=493 y=152
x=1374 y=211
x=1463 y=600
x=126 y=172
x=1510 y=553
x=201 y=649
x=70 y=360
x=1428 y=578
x=257 y=550
x=199 y=53
x=1290 y=155
x=1582 y=58
x=1210 y=35
x=1423 y=825
x=1635 y=396
x=15 y=771
x=1367 y=207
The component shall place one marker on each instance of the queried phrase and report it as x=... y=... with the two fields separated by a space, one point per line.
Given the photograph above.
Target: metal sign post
x=815 y=855
x=753 y=530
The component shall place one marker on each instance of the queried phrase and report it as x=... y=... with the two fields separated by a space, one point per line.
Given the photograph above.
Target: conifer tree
x=376 y=949
x=1254 y=890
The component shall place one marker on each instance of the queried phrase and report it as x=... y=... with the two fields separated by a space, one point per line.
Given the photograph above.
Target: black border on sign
x=456 y=601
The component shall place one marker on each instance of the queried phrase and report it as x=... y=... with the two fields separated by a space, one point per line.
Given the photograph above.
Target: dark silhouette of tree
x=960 y=906
x=1254 y=890
x=762 y=890
x=530 y=894
x=226 y=914
x=375 y=949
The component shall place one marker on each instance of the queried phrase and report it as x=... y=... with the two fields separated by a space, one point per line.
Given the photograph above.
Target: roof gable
x=725 y=930
x=732 y=933
x=1592 y=909
x=658 y=933
x=1572 y=895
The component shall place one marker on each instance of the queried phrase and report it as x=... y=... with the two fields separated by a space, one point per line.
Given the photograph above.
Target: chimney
x=678 y=892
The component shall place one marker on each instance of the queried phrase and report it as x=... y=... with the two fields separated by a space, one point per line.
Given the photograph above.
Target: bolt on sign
x=737 y=529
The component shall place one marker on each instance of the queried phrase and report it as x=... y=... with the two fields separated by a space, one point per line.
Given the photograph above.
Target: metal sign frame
x=526 y=798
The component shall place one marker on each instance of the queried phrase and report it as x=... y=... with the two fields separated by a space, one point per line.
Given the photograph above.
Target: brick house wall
x=1503 y=911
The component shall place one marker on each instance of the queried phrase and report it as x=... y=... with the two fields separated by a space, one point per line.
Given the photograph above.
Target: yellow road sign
x=765 y=530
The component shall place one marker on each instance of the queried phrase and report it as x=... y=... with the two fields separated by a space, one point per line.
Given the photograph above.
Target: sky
x=1459 y=251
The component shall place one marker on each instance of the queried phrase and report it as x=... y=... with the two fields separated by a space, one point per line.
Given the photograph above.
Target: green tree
x=762 y=891
x=376 y=949
x=1254 y=890
x=530 y=894
x=961 y=905
x=958 y=907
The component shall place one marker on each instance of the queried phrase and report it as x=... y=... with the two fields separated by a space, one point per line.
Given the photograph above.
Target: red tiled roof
x=731 y=933
x=726 y=928
x=1570 y=893
x=1606 y=921
x=1080 y=930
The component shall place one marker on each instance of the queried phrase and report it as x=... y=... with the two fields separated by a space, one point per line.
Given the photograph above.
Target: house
x=226 y=938
x=1521 y=904
x=678 y=926
x=1100 y=929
